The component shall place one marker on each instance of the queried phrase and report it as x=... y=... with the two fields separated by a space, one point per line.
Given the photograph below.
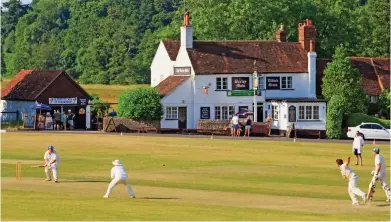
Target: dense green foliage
x=140 y=104
x=98 y=106
x=113 y=41
x=384 y=104
x=342 y=88
x=355 y=119
x=334 y=117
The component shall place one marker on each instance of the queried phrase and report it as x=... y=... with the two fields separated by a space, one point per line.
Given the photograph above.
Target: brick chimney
x=186 y=32
x=307 y=33
x=281 y=34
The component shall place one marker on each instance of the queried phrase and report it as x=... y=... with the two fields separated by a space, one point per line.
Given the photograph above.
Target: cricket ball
x=164 y=164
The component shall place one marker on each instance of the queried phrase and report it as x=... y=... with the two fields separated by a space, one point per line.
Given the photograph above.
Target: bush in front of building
x=334 y=118
x=342 y=89
x=355 y=119
x=140 y=104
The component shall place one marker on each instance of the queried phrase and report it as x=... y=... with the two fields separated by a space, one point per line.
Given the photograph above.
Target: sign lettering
x=205 y=112
x=63 y=101
x=272 y=83
x=182 y=70
x=240 y=83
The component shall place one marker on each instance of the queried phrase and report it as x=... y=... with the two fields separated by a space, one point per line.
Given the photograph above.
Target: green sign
x=240 y=93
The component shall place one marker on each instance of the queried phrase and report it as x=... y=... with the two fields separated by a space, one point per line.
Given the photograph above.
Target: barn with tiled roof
x=54 y=88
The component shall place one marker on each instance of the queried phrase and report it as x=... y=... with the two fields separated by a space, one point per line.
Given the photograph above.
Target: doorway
x=182 y=117
x=260 y=112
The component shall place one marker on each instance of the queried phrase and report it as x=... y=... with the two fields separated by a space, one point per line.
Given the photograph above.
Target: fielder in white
x=379 y=174
x=52 y=160
x=353 y=190
x=358 y=144
x=119 y=176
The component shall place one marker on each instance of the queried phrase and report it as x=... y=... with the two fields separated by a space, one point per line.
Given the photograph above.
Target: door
x=182 y=117
x=80 y=118
x=260 y=113
x=380 y=132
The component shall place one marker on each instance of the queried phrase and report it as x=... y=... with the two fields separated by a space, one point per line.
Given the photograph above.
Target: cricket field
x=184 y=179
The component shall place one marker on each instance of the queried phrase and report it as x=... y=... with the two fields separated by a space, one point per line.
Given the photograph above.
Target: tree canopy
x=113 y=41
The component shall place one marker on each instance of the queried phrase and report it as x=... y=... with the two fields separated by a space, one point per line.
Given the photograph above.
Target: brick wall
x=127 y=125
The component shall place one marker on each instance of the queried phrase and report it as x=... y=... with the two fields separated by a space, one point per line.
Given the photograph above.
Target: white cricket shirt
x=347 y=171
x=358 y=143
x=235 y=120
x=118 y=172
x=51 y=157
x=380 y=159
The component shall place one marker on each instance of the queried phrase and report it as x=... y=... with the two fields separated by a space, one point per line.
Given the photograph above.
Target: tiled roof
x=166 y=86
x=29 y=84
x=230 y=57
x=375 y=71
x=172 y=47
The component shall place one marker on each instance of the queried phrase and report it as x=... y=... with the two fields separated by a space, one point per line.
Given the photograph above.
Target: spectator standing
x=247 y=127
x=57 y=120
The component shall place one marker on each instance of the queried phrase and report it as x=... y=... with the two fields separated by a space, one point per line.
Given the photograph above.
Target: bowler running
x=353 y=190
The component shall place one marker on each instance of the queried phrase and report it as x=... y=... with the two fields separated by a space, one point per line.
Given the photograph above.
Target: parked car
x=370 y=131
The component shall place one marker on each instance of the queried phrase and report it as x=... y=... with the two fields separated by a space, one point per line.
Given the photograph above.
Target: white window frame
x=275 y=112
x=261 y=82
x=307 y=112
x=373 y=99
x=224 y=112
x=221 y=85
x=171 y=112
x=288 y=79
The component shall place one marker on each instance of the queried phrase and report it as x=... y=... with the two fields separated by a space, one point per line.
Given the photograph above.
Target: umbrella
x=41 y=106
x=245 y=112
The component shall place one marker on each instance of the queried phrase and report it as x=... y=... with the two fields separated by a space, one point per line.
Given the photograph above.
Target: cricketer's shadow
x=160 y=198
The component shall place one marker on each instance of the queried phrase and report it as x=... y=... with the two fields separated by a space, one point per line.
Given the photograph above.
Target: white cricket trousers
x=354 y=190
x=51 y=170
x=383 y=182
x=121 y=180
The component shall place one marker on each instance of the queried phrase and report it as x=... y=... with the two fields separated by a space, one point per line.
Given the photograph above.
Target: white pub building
x=213 y=80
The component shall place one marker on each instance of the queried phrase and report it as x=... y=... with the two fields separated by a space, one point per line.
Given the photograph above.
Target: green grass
x=108 y=93
x=356 y=119
x=201 y=179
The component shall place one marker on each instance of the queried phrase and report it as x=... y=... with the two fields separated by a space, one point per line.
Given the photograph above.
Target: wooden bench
x=308 y=132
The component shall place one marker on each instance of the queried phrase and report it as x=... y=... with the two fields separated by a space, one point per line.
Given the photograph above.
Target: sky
x=23 y=1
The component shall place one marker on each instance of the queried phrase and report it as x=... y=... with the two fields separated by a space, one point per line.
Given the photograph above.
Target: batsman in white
x=52 y=160
x=379 y=174
x=119 y=176
x=353 y=190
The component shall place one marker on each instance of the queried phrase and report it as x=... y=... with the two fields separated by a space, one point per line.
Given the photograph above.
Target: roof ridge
x=368 y=57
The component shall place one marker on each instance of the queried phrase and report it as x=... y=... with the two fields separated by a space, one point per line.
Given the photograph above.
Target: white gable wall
x=182 y=96
x=161 y=66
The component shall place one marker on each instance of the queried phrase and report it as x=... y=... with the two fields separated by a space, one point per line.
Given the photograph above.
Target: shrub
x=334 y=118
x=140 y=104
x=355 y=119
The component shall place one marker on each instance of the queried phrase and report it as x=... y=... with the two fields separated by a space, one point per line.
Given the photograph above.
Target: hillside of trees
x=113 y=41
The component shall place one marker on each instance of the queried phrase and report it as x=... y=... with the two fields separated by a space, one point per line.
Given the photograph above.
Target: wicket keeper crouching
x=52 y=161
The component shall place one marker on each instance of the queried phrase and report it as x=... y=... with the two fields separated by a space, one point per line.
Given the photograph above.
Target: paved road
x=272 y=138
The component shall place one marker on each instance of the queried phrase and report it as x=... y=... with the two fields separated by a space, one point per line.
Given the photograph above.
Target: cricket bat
x=38 y=166
x=371 y=191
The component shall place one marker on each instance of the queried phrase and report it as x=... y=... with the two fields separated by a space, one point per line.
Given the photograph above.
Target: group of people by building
x=63 y=120
x=236 y=127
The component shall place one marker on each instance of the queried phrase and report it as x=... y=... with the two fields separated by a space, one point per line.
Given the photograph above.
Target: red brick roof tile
x=373 y=73
x=28 y=84
x=172 y=47
x=230 y=57
x=166 y=86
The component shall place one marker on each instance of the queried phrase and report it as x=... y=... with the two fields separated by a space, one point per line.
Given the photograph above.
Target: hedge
x=356 y=119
